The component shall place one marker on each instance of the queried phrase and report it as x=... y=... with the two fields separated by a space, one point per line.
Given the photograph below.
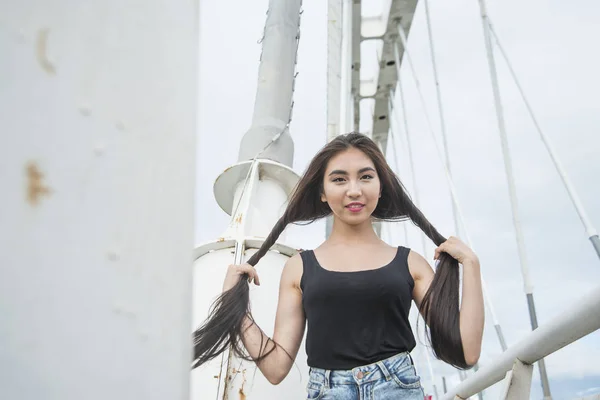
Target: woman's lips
x=355 y=207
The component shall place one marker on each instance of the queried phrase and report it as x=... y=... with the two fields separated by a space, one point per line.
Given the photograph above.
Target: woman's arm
x=289 y=325
x=472 y=314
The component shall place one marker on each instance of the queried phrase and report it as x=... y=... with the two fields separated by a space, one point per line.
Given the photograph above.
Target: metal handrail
x=573 y=324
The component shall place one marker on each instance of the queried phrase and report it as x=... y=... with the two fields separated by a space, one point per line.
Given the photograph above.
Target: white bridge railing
x=515 y=364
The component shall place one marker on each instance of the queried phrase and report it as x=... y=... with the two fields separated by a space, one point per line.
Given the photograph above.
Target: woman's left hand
x=457 y=249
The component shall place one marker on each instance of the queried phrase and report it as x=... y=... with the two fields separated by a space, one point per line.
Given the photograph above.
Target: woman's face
x=351 y=186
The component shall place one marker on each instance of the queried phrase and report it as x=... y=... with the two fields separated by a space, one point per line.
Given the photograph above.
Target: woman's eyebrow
x=342 y=172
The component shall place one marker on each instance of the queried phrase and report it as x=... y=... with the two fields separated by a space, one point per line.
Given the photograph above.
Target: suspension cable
x=440 y=107
x=453 y=192
x=391 y=107
x=591 y=231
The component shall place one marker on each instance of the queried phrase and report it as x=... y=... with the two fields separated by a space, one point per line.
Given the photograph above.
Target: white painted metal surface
x=338 y=82
x=346 y=95
x=384 y=28
x=255 y=192
x=275 y=87
x=579 y=320
x=517 y=384
x=334 y=67
x=98 y=106
x=355 y=56
x=227 y=190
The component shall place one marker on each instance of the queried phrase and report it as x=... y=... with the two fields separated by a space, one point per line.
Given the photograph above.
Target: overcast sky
x=551 y=44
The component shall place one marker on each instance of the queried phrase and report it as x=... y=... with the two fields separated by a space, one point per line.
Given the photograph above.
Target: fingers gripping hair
x=440 y=305
x=224 y=327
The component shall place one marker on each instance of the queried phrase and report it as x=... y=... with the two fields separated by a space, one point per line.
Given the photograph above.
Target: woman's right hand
x=234 y=273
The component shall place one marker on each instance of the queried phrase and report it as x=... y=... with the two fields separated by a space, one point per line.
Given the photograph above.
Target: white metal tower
x=254 y=192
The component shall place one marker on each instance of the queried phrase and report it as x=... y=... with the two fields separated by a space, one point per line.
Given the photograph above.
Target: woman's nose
x=354 y=190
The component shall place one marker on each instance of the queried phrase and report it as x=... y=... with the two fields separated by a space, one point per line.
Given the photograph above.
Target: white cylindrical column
x=346 y=100
x=255 y=193
x=275 y=87
x=97 y=107
x=335 y=42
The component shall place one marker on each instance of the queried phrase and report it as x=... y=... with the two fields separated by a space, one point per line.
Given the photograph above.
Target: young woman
x=354 y=291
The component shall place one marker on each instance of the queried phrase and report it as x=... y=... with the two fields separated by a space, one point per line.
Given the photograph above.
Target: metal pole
x=425 y=351
x=415 y=187
x=447 y=155
x=416 y=196
x=335 y=43
x=275 y=88
x=95 y=275
x=346 y=98
x=429 y=365
x=488 y=301
x=480 y=394
x=440 y=109
x=578 y=320
x=338 y=76
x=340 y=72
x=255 y=191
x=395 y=147
x=356 y=61
x=528 y=287
x=591 y=231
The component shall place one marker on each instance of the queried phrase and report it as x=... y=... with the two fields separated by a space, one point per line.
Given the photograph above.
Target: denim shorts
x=392 y=379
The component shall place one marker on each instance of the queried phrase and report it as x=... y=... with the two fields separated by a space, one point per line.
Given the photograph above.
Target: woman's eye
x=340 y=179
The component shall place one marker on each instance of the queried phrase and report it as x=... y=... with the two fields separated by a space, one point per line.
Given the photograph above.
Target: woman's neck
x=342 y=233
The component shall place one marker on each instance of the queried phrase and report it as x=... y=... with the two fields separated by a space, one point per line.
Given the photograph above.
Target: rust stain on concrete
x=41 y=51
x=36 y=188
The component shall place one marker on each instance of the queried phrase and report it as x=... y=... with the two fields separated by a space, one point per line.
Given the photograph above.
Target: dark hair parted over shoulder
x=440 y=305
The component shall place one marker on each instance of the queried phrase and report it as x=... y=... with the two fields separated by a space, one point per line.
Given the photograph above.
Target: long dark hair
x=439 y=307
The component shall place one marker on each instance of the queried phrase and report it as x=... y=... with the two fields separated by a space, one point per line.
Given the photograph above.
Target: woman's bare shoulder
x=418 y=266
x=292 y=270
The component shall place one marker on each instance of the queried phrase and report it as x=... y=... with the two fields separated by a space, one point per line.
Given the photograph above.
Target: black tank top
x=356 y=318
